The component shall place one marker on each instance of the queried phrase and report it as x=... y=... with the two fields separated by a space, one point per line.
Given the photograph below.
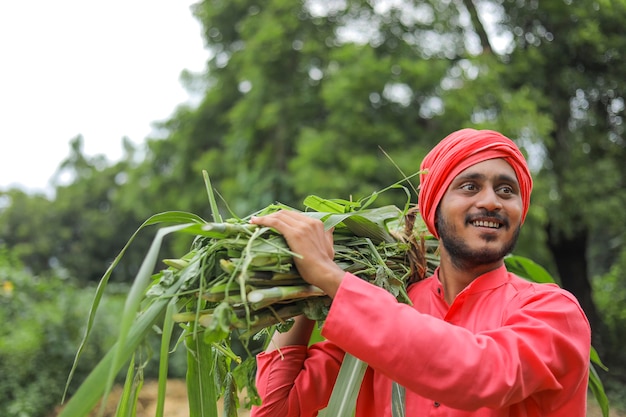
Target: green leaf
x=342 y=401
x=219 y=325
x=201 y=386
x=214 y=210
x=324 y=205
x=398 y=395
x=595 y=384
x=166 y=336
x=231 y=401
x=528 y=269
x=124 y=406
x=595 y=358
x=374 y=223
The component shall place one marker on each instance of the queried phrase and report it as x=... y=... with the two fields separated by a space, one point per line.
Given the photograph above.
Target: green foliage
x=79 y=230
x=610 y=297
x=41 y=322
x=610 y=293
x=91 y=222
x=27 y=226
x=572 y=61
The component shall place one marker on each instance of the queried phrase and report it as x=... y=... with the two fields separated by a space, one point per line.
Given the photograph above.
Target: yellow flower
x=7 y=288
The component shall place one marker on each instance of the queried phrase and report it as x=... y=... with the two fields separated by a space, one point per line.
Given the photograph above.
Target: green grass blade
x=166 y=337
x=598 y=390
x=201 y=386
x=127 y=404
x=398 y=395
x=212 y=202
x=342 y=401
x=373 y=223
x=595 y=358
x=324 y=205
x=173 y=217
x=127 y=391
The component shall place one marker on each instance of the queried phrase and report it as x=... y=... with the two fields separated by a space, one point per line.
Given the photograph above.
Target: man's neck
x=454 y=277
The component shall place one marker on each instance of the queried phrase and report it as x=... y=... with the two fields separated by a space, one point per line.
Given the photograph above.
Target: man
x=477 y=341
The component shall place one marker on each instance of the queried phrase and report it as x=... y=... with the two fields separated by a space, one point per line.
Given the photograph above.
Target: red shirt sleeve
x=295 y=380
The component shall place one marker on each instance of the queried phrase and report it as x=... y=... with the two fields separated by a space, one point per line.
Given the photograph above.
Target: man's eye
x=506 y=190
x=469 y=187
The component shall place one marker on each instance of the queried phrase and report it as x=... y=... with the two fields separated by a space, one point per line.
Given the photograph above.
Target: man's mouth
x=486 y=223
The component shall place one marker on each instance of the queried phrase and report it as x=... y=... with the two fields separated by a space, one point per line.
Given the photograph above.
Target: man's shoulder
x=527 y=289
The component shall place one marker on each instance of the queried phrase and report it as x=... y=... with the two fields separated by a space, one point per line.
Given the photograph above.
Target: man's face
x=479 y=216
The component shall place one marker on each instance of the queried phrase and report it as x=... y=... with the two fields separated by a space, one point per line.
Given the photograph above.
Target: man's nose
x=489 y=200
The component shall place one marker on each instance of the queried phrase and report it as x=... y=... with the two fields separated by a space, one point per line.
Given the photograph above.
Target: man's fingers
x=284 y=218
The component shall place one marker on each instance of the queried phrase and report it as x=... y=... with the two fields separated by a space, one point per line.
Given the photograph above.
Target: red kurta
x=505 y=347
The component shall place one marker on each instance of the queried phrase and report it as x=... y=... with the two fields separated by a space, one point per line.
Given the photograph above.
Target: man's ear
x=437 y=216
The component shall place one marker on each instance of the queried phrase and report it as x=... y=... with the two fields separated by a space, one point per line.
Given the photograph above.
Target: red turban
x=458 y=151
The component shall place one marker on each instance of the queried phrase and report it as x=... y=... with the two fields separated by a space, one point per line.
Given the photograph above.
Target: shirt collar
x=484 y=282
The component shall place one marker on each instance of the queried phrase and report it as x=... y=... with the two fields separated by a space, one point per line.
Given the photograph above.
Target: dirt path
x=176 y=402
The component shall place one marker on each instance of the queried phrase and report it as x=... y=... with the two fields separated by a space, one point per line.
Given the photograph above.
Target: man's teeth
x=481 y=223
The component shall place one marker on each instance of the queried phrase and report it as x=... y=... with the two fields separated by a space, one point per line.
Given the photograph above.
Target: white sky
x=104 y=70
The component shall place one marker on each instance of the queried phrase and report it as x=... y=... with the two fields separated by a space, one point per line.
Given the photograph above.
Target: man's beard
x=462 y=255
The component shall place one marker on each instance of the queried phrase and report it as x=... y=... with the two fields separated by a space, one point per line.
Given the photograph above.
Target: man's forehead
x=490 y=167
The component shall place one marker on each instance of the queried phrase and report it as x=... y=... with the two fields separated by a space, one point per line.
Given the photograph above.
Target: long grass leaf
x=123 y=404
x=407 y=179
x=212 y=202
x=342 y=401
x=166 y=337
x=201 y=387
x=398 y=394
x=595 y=384
x=595 y=358
x=127 y=403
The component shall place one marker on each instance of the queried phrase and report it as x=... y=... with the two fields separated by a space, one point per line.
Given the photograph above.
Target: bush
x=42 y=320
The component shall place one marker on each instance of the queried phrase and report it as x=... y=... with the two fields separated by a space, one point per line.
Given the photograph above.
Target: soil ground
x=176 y=402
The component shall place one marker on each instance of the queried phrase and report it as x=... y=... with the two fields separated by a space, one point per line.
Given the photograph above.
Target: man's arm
x=299 y=334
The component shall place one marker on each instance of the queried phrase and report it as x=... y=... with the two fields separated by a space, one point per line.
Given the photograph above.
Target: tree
x=93 y=218
x=27 y=226
x=569 y=52
x=300 y=101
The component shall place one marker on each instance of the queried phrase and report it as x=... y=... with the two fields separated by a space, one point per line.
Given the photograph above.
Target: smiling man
x=477 y=341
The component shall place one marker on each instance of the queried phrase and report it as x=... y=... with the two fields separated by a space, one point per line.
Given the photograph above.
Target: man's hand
x=306 y=237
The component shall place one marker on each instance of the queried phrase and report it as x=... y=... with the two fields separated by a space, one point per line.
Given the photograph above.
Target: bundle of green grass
x=242 y=277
